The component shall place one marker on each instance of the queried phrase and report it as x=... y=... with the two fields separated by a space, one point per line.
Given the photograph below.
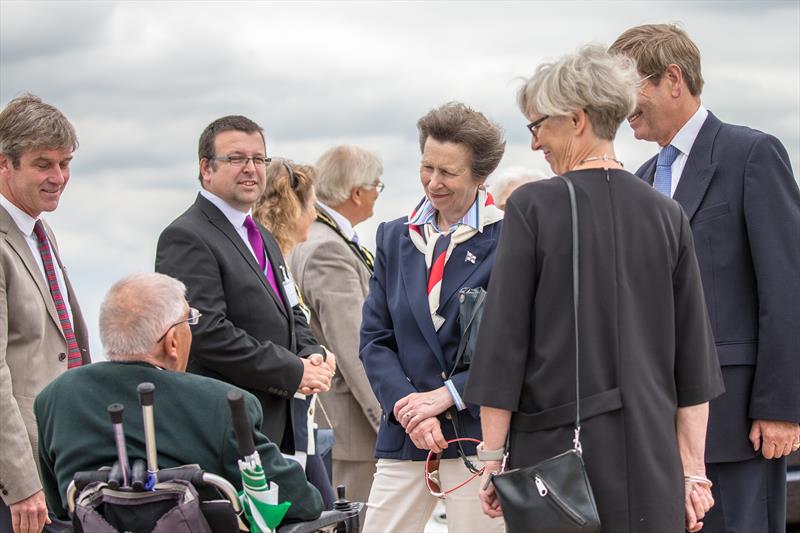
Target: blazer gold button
x=448 y=416
x=62 y=356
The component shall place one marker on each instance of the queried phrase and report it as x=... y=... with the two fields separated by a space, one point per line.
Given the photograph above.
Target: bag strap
x=576 y=441
x=575 y=294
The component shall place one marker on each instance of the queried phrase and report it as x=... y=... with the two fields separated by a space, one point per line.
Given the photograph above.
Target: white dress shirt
x=683 y=141
x=344 y=224
x=25 y=223
x=234 y=216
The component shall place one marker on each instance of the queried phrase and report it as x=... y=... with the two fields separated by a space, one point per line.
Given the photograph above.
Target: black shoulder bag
x=554 y=495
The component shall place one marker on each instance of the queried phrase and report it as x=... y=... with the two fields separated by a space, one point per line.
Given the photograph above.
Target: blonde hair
x=289 y=187
x=602 y=84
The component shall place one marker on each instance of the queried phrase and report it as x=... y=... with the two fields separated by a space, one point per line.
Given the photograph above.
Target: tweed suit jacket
x=334 y=282
x=743 y=204
x=32 y=354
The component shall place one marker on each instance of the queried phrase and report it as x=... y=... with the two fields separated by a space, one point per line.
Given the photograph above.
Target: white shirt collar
x=684 y=139
x=23 y=220
x=341 y=221
x=234 y=216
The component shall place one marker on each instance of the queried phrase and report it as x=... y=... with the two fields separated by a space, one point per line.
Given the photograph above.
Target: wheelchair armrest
x=328 y=519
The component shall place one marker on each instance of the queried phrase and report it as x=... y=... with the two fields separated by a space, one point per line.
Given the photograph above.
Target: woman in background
x=287 y=209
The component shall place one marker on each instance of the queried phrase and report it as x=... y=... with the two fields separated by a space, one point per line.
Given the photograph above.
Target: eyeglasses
x=379 y=186
x=193 y=319
x=533 y=127
x=432 y=469
x=240 y=160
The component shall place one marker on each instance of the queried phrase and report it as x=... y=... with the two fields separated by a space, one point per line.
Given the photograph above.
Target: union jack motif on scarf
x=437 y=247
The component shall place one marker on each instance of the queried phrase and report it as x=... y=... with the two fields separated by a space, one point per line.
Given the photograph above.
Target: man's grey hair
x=29 y=123
x=592 y=79
x=342 y=168
x=136 y=311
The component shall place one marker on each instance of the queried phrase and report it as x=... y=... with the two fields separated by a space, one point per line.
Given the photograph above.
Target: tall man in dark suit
x=42 y=331
x=737 y=188
x=255 y=336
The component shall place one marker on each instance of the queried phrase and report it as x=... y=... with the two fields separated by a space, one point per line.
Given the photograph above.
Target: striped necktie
x=436 y=272
x=663 y=179
x=74 y=353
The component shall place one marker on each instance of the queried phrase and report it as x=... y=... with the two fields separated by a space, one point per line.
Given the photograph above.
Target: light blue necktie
x=663 y=180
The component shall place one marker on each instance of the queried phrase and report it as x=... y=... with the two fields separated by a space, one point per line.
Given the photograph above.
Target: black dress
x=646 y=343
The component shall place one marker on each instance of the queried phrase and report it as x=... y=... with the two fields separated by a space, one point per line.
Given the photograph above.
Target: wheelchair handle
x=241 y=423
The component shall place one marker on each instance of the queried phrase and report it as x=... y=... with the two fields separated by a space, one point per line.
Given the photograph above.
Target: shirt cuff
x=451 y=388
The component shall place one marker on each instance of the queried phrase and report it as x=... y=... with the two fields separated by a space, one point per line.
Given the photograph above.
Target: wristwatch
x=490 y=455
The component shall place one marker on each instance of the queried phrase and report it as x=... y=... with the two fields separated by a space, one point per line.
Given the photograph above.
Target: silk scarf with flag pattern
x=437 y=246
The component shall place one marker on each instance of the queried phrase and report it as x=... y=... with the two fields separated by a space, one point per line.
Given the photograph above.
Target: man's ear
x=674 y=76
x=356 y=195
x=5 y=163
x=170 y=348
x=205 y=168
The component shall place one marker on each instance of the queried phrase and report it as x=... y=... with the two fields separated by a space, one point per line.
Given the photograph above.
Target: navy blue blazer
x=401 y=351
x=743 y=204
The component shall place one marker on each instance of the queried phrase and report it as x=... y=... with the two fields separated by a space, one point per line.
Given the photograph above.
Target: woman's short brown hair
x=456 y=123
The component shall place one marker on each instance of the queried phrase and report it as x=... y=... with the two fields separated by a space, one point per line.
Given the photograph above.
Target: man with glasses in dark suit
x=254 y=335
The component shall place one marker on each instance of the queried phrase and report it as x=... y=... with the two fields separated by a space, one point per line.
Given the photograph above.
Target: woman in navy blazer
x=410 y=330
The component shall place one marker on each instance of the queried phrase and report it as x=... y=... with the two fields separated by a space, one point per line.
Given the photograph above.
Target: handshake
x=317 y=373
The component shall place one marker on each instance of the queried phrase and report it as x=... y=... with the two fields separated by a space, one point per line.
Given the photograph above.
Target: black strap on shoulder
x=362 y=253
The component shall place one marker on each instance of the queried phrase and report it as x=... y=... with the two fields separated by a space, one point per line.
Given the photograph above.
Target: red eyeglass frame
x=432 y=476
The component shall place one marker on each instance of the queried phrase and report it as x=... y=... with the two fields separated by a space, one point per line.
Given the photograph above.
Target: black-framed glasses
x=241 y=160
x=193 y=319
x=379 y=186
x=533 y=127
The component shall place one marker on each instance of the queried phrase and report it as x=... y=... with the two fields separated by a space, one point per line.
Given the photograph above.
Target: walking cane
x=146 y=391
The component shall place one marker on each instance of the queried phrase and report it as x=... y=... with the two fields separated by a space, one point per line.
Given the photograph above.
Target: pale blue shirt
x=25 y=224
x=683 y=141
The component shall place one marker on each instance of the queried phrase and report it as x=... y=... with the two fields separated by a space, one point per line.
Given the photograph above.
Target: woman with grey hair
x=410 y=330
x=647 y=363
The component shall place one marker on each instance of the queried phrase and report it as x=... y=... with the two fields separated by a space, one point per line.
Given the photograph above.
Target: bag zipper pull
x=541 y=486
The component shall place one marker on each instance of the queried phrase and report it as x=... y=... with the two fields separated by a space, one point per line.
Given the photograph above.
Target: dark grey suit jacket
x=245 y=337
x=743 y=204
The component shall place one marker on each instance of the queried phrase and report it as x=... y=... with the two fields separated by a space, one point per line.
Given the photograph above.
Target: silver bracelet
x=698 y=479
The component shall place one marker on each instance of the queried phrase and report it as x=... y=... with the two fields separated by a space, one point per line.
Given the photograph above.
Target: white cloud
x=140 y=80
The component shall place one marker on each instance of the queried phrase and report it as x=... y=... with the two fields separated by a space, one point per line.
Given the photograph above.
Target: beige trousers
x=356 y=476
x=400 y=502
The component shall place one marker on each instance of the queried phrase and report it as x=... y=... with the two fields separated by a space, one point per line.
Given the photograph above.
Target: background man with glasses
x=42 y=332
x=333 y=271
x=743 y=203
x=253 y=334
x=192 y=417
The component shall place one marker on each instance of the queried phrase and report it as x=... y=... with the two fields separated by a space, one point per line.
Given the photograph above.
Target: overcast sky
x=140 y=81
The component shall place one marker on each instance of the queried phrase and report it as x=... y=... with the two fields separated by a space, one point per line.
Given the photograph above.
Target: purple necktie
x=254 y=236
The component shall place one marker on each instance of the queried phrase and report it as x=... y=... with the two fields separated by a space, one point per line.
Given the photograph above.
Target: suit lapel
x=218 y=220
x=412 y=267
x=648 y=171
x=17 y=242
x=460 y=266
x=699 y=169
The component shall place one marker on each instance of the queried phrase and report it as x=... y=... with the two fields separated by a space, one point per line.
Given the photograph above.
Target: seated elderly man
x=144 y=328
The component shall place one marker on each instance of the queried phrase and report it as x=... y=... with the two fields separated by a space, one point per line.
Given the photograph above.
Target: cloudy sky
x=140 y=81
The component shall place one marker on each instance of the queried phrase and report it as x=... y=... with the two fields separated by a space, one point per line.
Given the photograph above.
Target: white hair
x=137 y=310
x=342 y=168
x=603 y=84
x=504 y=183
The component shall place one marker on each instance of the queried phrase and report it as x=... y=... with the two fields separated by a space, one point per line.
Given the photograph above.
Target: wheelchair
x=183 y=499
